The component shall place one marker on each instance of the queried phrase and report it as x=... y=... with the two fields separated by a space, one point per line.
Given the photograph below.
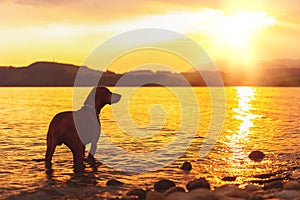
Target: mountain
x=281 y=72
x=52 y=74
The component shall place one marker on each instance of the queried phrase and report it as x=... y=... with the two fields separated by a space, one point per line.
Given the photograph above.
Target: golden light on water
x=155 y=117
x=257 y=118
x=244 y=97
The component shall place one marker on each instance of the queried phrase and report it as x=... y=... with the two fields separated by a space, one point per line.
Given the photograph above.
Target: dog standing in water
x=62 y=129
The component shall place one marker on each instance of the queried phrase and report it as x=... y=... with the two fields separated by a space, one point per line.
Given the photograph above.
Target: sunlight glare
x=235 y=30
x=244 y=96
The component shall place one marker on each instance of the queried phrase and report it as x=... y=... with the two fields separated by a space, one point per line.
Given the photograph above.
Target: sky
x=68 y=31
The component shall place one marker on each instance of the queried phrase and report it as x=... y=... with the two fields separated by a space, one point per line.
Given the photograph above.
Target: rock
x=174 y=189
x=140 y=193
x=229 y=178
x=198 y=183
x=187 y=166
x=230 y=191
x=288 y=194
x=153 y=195
x=114 y=182
x=256 y=156
x=263 y=176
x=295 y=175
x=273 y=185
x=267 y=181
x=178 y=196
x=202 y=193
x=197 y=194
x=252 y=188
x=255 y=197
x=292 y=185
x=163 y=185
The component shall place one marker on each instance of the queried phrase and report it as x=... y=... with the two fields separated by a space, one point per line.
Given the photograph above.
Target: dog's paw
x=91 y=160
x=48 y=164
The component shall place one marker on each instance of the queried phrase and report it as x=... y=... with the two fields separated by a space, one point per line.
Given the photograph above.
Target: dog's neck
x=93 y=107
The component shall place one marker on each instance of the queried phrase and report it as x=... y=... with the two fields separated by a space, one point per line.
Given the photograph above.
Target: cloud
x=44 y=2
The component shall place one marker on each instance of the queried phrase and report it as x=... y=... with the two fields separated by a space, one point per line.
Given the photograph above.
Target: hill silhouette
x=59 y=74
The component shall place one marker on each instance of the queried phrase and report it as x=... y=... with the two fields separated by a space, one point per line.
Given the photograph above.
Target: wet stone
x=229 y=178
x=288 y=194
x=187 y=166
x=292 y=185
x=263 y=176
x=256 y=156
x=251 y=188
x=272 y=185
x=114 y=182
x=197 y=194
x=198 y=183
x=140 y=193
x=163 y=185
x=153 y=195
x=174 y=189
x=295 y=175
x=231 y=191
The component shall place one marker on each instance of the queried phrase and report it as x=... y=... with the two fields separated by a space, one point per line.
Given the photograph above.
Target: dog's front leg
x=92 y=152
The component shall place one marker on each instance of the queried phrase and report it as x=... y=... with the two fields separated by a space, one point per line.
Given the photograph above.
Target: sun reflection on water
x=243 y=113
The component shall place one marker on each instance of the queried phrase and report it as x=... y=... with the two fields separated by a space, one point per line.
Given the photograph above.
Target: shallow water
x=257 y=118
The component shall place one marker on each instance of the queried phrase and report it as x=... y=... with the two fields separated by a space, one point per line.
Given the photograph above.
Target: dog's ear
x=90 y=100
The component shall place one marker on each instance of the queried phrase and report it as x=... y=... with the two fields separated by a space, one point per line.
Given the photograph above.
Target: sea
x=150 y=133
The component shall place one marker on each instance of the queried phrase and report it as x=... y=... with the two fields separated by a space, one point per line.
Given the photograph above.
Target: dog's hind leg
x=49 y=154
x=78 y=157
x=51 y=145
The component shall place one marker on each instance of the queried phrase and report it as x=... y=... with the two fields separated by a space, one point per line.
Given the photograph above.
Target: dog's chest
x=87 y=125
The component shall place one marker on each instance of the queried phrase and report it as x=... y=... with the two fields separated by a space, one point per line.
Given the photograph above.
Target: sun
x=236 y=30
x=233 y=37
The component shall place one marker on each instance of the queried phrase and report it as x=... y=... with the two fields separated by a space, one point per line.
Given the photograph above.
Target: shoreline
x=285 y=185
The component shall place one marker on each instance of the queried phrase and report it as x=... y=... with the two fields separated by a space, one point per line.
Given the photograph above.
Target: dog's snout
x=115 y=98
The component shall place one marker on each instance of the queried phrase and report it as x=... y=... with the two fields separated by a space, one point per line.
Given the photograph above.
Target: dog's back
x=61 y=123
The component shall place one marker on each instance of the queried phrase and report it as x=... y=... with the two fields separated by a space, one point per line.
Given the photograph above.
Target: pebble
x=114 y=182
x=263 y=176
x=231 y=191
x=187 y=166
x=163 y=185
x=288 y=194
x=256 y=156
x=229 y=178
x=174 y=189
x=153 y=195
x=140 y=193
x=251 y=188
x=197 y=194
x=292 y=185
x=178 y=196
x=296 y=174
x=198 y=183
x=272 y=185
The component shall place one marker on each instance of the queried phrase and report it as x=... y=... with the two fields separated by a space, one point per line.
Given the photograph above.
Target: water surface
x=257 y=118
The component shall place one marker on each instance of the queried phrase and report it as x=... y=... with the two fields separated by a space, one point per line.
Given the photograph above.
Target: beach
x=285 y=185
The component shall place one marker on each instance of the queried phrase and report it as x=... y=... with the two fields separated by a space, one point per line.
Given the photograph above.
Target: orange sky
x=68 y=30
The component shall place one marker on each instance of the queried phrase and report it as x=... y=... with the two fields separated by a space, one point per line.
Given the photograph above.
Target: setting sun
x=235 y=30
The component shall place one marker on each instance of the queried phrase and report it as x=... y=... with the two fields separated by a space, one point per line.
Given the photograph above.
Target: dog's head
x=101 y=96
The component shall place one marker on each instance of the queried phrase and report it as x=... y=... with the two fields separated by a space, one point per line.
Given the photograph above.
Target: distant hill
x=277 y=73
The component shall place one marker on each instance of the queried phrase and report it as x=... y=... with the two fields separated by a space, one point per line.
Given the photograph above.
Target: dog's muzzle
x=115 y=98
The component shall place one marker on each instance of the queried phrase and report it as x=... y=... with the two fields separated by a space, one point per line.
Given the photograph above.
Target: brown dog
x=78 y=128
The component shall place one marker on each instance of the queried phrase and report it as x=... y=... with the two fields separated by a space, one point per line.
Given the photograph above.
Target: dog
x=78 y=128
